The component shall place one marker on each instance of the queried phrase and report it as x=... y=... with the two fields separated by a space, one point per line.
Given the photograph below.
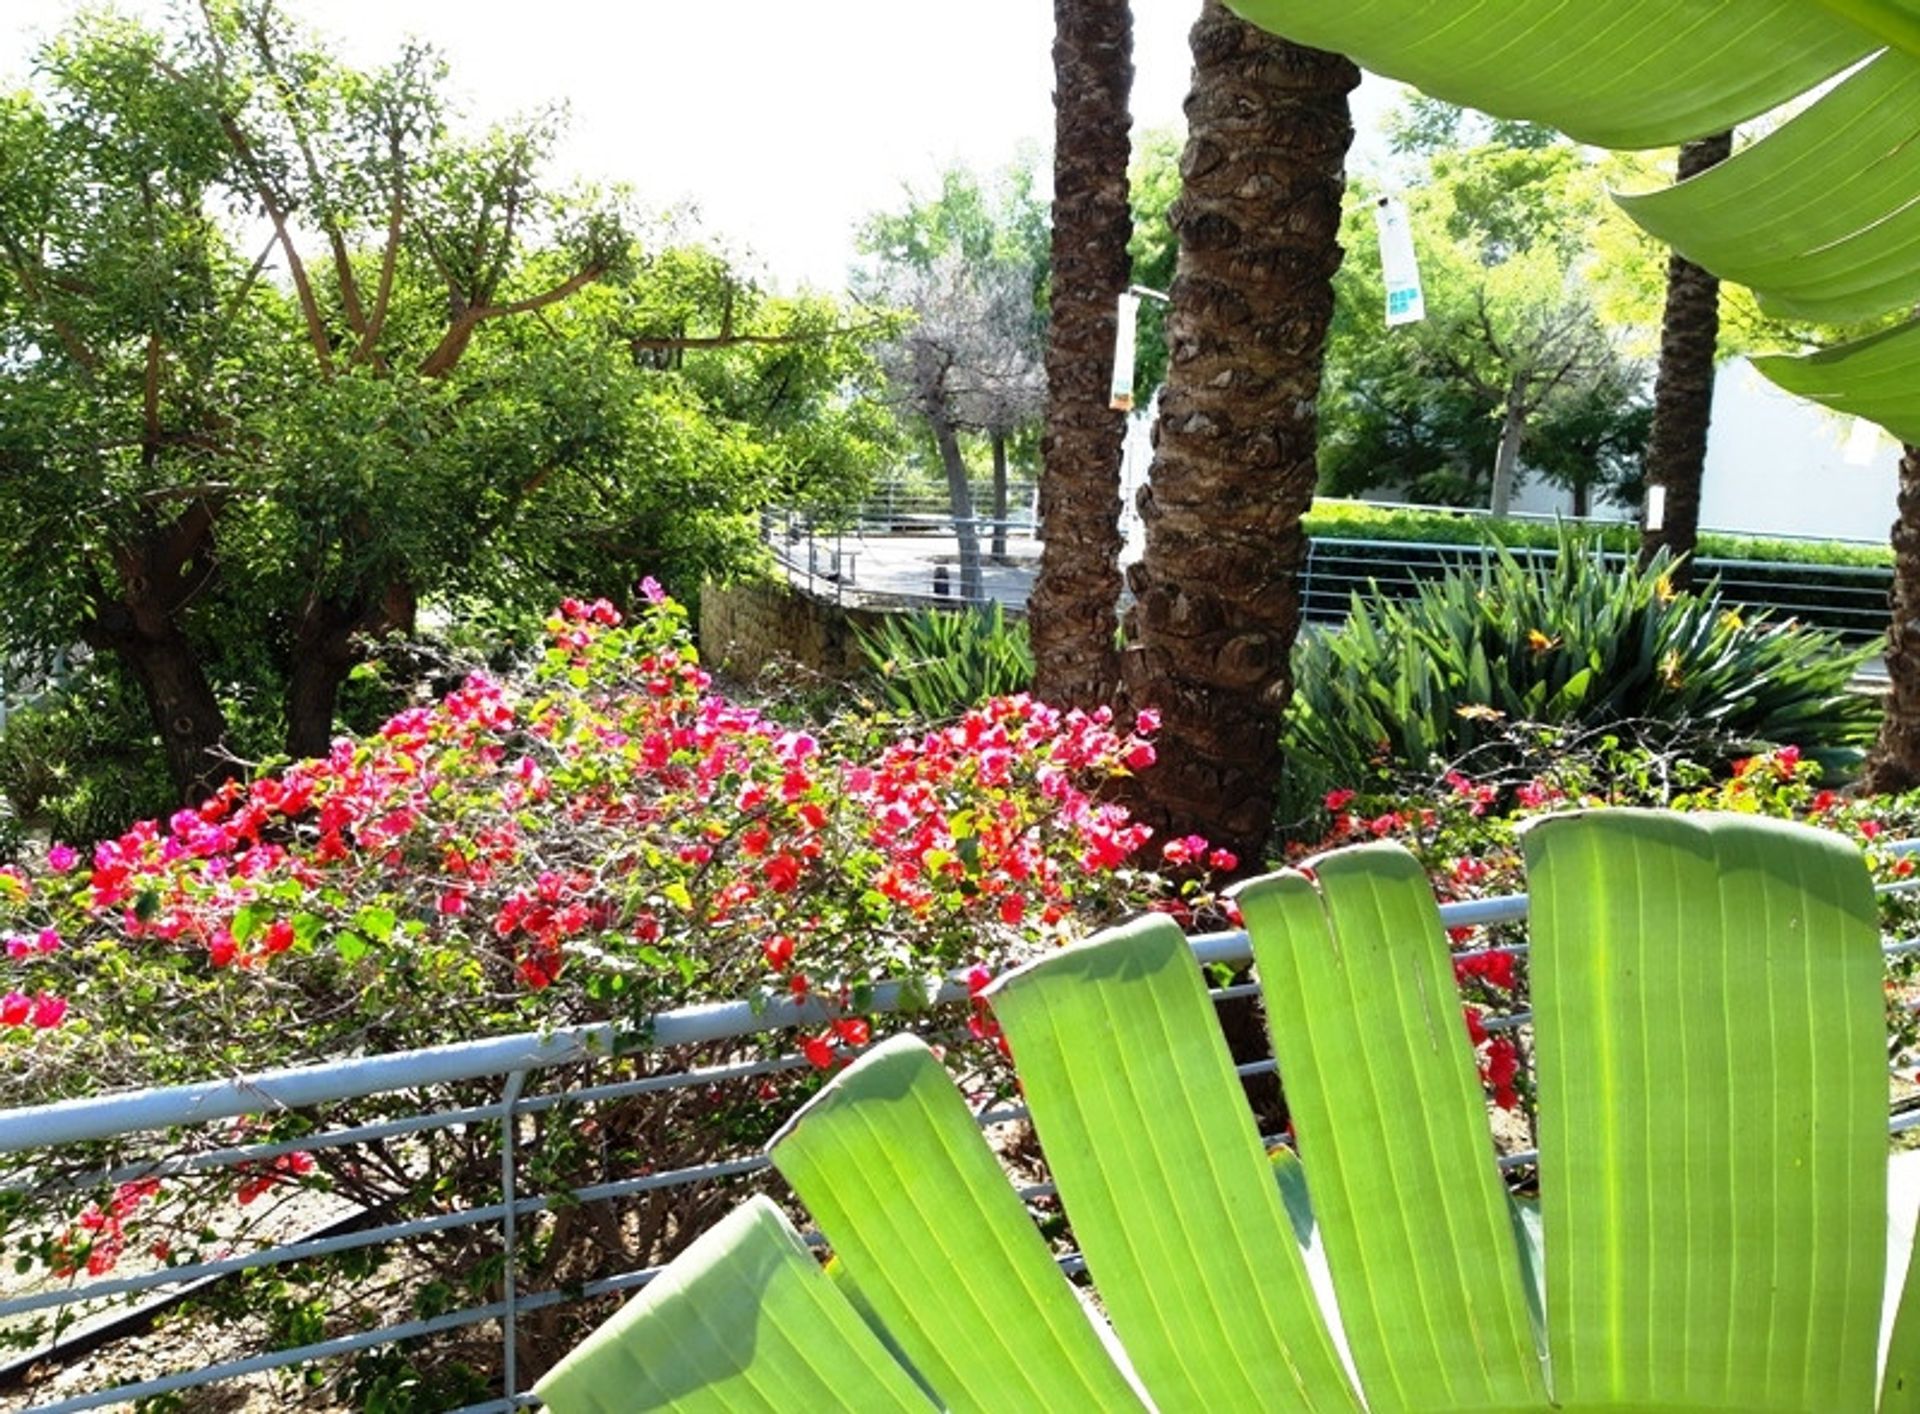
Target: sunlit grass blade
x=1172 y=1201
x=743 y=1322
x=1708 y=1004
x=941 y=1251
x=1630 y=73
x=1392 y=1126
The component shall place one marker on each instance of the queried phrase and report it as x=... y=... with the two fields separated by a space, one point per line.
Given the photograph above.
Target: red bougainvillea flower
x=1476 y=1028
x=819 y=1051
x=853 y=1030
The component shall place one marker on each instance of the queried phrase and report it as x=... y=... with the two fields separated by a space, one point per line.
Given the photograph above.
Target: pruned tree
x=1004 y=390
x=963 y=362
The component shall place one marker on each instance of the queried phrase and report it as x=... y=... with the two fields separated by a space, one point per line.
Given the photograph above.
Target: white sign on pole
x=1125 y=340
x=1398 y=263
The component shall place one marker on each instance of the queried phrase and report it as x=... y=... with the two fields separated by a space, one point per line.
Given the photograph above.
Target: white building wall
x=1776 y=465
x=1779 y=465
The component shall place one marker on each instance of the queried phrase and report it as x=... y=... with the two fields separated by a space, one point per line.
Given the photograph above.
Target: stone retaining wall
x=746 y=627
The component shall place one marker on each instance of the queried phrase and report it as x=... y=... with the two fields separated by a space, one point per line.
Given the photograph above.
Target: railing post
x=509 y=1188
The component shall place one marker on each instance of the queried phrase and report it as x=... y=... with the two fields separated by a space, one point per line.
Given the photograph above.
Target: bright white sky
x=784 y=123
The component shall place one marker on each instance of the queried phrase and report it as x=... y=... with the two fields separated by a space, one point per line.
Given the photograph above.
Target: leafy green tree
x=1155 y=183
x=285 y=352
x=1423 y=125
x=1515 y=353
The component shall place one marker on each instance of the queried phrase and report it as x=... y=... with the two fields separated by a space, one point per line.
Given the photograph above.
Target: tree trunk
x=960 y=500
x=999 y=498
x=320 y=665
x=1894 y=763
x=186 y=714
x=326 y=649
x=1073 y=610
x=1683 y=387
x=1218 y=592
x=1506 y=459
x=1582 y=499
x=161 y=572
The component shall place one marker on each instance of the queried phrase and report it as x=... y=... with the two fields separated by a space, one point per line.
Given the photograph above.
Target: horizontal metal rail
x=511 y=1060
x=1847 y=599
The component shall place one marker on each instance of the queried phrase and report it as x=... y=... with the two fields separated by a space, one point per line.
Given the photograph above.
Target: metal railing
x=904 y=559
x=900 y=554
x=511 y=1065
x=1850 y=600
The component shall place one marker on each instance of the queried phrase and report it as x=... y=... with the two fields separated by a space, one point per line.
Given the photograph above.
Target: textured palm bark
x=1894 y=762
x=1683 y=387
x=1074 y=609
x=1218 y=592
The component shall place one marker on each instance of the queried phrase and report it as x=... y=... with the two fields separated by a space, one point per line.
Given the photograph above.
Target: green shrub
x=1429 y=525
x=83 y=761
x=1421 y=684
x=934 y=664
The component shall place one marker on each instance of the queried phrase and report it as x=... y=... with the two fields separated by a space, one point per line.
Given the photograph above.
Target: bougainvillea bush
x=605 y=840
x=602 y=840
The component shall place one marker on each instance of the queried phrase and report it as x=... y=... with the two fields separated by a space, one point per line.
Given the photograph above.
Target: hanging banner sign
x=1405 y=302
x=1125 y=341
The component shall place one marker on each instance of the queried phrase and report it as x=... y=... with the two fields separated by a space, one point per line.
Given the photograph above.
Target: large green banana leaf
x=1713 y=1171
x=1821 y=217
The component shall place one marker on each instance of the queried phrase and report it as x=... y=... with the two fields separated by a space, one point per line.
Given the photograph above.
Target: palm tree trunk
x=1218 y=592
x=1894 y=762
x=1683 y=387
x=1074 y=608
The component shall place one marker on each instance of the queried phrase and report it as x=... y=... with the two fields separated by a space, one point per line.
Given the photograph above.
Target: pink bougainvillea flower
x=48 y=1010
x=62 y=857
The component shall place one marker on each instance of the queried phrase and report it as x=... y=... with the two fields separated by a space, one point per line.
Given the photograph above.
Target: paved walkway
x=907 y=567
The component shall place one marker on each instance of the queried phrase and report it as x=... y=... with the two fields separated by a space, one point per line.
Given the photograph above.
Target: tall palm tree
x=1074 y=606
x=1894 y=762
x=1683 y=387
x=1218 y=593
